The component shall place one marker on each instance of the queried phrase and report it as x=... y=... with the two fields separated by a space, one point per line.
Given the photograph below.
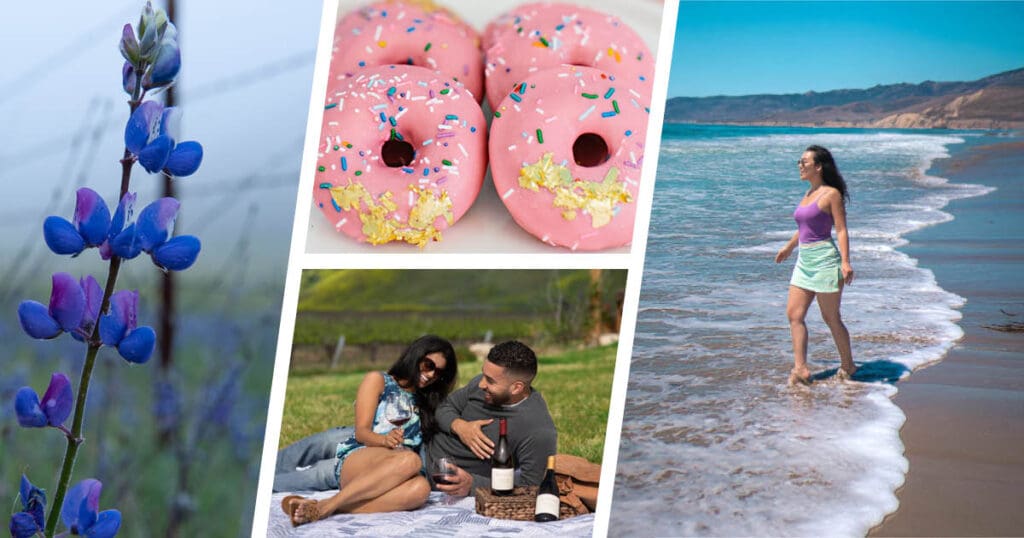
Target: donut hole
x=590 y=150
x=397 y=153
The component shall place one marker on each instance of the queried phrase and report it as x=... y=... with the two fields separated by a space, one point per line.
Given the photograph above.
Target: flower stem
x=94 y=343
x=75 y=439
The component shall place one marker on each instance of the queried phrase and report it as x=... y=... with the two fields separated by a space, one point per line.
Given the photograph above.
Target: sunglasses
x=428 y=365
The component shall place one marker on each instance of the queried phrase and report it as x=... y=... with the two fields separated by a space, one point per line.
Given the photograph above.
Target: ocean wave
x=713 y=442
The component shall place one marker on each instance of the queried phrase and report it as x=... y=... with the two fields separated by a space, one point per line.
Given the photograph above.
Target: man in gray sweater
x=468 y=422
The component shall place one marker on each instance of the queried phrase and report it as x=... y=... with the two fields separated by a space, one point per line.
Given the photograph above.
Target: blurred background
x=156 y=434
x=353 y=321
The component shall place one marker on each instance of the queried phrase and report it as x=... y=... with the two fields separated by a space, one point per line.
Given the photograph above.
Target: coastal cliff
x=994 y=102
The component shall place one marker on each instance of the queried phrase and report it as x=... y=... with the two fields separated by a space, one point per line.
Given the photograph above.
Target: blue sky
x=742 y=48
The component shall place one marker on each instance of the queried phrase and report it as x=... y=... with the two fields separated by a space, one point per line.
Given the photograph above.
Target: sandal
x=291 y=503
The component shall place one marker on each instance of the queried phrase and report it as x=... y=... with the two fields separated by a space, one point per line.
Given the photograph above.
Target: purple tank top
x=813 y=224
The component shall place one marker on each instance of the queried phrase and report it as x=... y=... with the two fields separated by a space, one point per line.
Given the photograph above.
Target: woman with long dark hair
x=822 y=266
x=378 y=468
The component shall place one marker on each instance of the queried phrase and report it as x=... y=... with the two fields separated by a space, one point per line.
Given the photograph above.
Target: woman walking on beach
x=378 y=469
x=821 y=268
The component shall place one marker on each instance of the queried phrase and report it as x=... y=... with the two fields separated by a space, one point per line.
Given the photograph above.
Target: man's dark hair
x=516 y=357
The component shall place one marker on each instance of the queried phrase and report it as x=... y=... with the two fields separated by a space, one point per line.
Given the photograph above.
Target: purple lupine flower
x=119 y=328
x=29 y=522
x=54 y=408
x=65 y=313
x=150 y=136
x=151 y=233
x=88 y=229
x=79 y=511
x=74 y=307
x=150 y=49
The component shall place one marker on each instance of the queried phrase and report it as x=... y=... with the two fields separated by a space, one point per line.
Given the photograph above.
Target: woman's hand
x=784 y=253
x=847 y=273
x=471 y=434
x=394 y=438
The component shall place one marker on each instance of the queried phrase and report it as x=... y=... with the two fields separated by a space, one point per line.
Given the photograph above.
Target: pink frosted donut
x=566 y=148
x=534 y=37
x=388 y=33
x=403 y=151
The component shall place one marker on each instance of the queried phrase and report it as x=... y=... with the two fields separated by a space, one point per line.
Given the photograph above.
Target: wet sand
x=964 y=434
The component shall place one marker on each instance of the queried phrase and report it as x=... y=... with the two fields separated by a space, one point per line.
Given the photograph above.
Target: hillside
x=994 y=102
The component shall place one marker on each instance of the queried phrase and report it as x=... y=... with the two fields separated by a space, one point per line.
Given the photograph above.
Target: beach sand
x=964 y=434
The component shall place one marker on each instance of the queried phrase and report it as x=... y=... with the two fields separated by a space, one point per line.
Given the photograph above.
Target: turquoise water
x=713 y=441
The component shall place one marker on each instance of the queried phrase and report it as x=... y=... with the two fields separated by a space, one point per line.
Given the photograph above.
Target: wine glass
x=397 y=411
x=443 y=472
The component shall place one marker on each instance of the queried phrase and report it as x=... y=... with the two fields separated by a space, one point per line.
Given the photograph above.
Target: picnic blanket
x=435 y=518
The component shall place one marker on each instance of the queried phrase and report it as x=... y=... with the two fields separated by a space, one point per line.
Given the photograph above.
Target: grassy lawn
x=576 y=384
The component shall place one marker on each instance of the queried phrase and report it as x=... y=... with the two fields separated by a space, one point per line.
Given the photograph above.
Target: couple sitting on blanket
x=374 y=473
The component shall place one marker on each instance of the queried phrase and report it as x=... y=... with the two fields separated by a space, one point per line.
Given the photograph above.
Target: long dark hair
x=829 y=171
x=407 y=370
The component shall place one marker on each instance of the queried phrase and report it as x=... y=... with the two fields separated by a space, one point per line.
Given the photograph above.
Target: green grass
x=576 y=384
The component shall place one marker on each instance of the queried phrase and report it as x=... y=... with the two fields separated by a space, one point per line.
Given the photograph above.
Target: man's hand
x=461 y=483
x=471 y=434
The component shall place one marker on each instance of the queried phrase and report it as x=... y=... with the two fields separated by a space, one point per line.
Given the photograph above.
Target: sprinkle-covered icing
x=402 y=155
x=401 y=33
x=544 y=182
x=538 y=36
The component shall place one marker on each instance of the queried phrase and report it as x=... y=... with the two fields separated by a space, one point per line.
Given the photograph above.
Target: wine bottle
x=547 y=495
x=502 y=471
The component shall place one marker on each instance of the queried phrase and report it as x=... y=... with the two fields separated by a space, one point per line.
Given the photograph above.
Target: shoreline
x=964 y=433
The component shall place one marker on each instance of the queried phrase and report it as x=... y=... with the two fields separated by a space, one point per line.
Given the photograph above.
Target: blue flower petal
x=170 y=122
x=26 y=407
x=77 y=503
x=185 y=159
x=106 y=526
x=167 y=65
x=156 y=223
x=141 y=126
x=36 y=320
x=67 y=301
x=121 y=319
x=61 y=236
x=33 y=500
x=128 y=78
x=137 y=346
x=93 y=298
x=178 y=253
x=154 y=156
x=23 y=525
x=125 y=244
x=122 y=214
x=91 y=216
x=58 y=399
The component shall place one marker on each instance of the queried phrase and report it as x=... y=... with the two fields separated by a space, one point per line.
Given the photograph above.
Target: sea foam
x=713 y=442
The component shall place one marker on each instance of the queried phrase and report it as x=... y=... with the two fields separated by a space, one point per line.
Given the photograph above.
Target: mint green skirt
x=818 y=267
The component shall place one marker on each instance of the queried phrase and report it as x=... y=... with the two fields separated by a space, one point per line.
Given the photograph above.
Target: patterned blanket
x=435 y=518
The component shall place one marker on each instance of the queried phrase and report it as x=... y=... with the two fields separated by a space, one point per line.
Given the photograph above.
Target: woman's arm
x=367 y=397
x=785 y=251
x=838 y=211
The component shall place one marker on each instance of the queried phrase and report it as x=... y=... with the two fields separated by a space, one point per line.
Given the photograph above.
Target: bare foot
x=800 y=377
x=303 y=511
x=844 y=373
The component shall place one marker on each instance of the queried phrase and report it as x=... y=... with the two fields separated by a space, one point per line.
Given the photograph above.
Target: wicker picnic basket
x=521 y=504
